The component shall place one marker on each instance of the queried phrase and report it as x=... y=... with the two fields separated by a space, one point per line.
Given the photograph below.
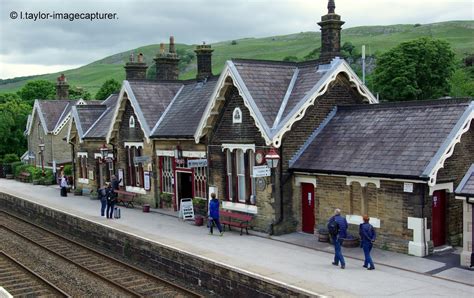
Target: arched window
x=131 y=122
x=237 y=116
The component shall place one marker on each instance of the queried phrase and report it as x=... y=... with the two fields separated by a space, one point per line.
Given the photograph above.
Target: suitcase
x=116 y=213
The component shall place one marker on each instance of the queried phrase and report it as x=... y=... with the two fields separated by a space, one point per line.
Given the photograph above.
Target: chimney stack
x=167 y=64
x=62 y=88
x=204 y=61
x=330 y=34
x=135 y=70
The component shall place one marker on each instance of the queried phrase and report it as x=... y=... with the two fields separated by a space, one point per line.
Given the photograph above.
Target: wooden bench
x=24 y=176
x=125 y=197
x=239 y=220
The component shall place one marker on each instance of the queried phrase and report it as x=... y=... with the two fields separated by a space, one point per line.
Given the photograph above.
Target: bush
x=18 y=167
x=68 y=170
x=11 y=157
x=234 y=42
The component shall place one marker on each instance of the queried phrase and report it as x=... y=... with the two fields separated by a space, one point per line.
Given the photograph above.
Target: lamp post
x=41 y=148
x=104 y=151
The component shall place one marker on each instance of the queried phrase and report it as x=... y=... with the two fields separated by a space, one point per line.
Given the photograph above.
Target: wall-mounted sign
x=179 y=161
x=407 y=187
x=261 y=171
x=141 y=159
x=261 y=183
x=146 y=176
x=91 y=175
x=197 y=163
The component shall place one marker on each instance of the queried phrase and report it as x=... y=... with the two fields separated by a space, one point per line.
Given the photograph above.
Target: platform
x=272 y=259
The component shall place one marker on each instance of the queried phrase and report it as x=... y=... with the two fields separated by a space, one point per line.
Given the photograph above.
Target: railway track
x=129 y=279
x=19 y=280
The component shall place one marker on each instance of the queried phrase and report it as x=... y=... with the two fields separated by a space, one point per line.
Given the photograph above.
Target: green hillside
x=377 y=39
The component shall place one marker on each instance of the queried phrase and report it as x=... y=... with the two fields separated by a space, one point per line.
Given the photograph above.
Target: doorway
x=438 y=220
x=307 y=206
x=184 y=186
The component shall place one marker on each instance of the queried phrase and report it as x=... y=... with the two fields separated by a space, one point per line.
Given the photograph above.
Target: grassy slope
x=378 y=39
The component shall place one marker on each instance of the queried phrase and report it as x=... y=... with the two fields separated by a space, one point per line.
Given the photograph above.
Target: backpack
x=333 y=227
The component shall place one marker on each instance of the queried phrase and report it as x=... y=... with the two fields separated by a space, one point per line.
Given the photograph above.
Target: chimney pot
x=204 y=61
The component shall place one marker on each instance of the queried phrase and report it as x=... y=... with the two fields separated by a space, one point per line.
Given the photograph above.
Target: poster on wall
x=120 y=176
x=146 y=183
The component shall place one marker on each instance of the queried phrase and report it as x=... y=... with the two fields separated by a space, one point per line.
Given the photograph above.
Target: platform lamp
x=104 y=151
x=272 y=158
x=41 y=148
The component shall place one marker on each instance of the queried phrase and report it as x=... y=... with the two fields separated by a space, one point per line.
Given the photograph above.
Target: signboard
x=197 y=163
x=120 y=176
x=146 y=176
x=186 y=211
x=91 y=175
x=141 y=159
x=407 y=187
x=261 y=171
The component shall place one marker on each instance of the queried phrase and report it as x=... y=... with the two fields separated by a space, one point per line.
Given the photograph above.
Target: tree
x=462 y=83
x=78 y=93
x=314 y=54
x=13 y=117
x=39 y=89
x=109 y=87
x=348 y=49
x=8 y=96
x=415 y=70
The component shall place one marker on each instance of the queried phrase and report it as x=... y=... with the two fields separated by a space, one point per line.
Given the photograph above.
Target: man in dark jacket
x=338 y=238
x=102 y=193
x=214 y=214
x=367 y=237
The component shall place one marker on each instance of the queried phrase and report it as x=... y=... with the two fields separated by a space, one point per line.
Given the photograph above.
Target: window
x=131 y=122
x=200 y=174
x=83 y=167
x=167 y=174
x=230 y=185
x=134 y=170
x=240 y=170
x=251 y=178
x=237 y=116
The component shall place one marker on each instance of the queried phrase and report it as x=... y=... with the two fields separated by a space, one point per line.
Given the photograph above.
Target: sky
x=30 y=47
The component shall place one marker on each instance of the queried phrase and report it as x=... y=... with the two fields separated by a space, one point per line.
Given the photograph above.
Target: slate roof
x=88 y=115
x=100 y=127
x=153 y=98
x=466 y=187
x=383 y=140
x=189 y=104
x=52 y=111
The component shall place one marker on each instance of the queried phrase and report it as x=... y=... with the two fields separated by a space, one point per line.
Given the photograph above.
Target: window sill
x=135 y=189
x=83 y=180
x=240 y=207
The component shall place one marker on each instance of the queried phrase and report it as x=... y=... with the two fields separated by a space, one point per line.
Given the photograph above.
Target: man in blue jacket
x=338 y=234
x=367 y=237
x=214 y=214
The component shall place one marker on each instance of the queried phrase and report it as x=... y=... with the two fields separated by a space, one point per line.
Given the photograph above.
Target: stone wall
x=223 y=280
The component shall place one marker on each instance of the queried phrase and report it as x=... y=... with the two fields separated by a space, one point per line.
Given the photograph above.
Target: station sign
x=261 y=171
x=197 y=163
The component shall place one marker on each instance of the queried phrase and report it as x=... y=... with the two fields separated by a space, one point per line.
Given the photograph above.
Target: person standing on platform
x=214 y=214
x=63 y=186
x=111 y=199
x=367 y=237
x=102 y=192
x=337 y=227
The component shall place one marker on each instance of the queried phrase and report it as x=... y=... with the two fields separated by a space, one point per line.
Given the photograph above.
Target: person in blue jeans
x=214 y=214
x=102 y=193
x=338 y=237
x=367 y=237
x=111 y=199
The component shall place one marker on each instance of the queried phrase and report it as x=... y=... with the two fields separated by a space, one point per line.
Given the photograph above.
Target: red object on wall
x=307 y=201
x=438 y=220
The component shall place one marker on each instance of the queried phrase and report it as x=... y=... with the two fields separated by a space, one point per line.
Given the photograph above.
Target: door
x=184 y=187
x=307 y=206
x=438 y=220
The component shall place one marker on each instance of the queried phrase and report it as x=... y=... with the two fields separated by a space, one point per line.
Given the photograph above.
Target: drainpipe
x=155 y=174
x=472 y=230
x=73 y=153
x=423 y=194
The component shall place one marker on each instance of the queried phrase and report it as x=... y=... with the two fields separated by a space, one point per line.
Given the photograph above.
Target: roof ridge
x=266 y=62
x=408 y=104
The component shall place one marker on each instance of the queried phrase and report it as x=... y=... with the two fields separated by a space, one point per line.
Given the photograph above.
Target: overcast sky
x=30 y=47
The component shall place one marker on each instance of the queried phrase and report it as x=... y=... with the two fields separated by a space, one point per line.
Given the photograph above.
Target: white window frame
x=200 y=179
x=240 y=172
x=131 y=122
x=167 y=175
x=237 y=115
x=230 y=183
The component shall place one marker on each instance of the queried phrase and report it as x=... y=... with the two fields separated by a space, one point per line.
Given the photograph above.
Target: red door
x=307 y=197
x=439 y=217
